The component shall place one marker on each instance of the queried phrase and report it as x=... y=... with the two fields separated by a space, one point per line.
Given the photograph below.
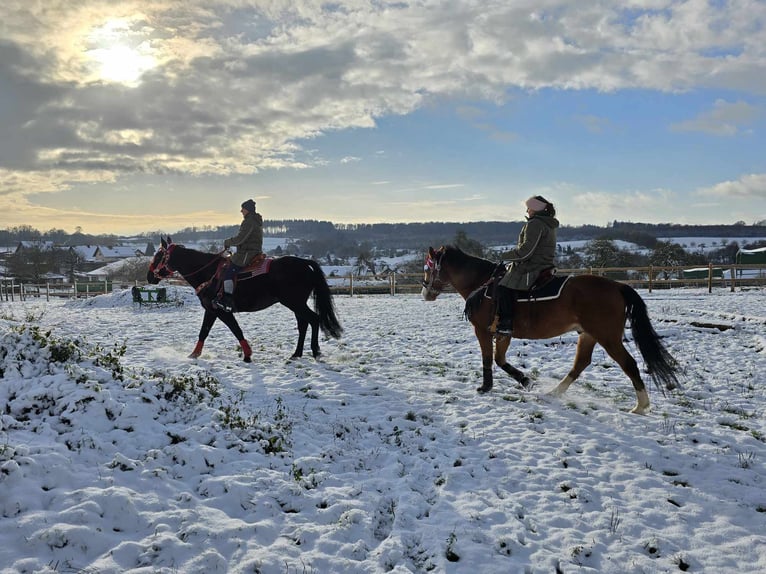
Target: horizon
x=146 y=234
x=371 y=112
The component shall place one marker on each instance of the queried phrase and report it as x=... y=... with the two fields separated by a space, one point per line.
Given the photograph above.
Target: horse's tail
x=473 y=302
x=325 y=307
x=660 y=363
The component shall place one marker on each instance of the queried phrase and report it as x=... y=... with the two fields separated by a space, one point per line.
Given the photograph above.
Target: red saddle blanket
x=258 y=266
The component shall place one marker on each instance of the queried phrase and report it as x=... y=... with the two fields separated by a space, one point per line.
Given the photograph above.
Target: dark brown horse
x=596 y=307
x=289 y=281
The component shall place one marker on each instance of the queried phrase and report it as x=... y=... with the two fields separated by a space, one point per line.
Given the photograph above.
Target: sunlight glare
x=115 y=57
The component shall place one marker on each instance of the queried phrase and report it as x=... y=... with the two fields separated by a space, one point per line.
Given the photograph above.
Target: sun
x=119 y=53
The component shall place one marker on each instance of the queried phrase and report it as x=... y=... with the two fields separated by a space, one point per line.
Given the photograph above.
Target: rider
x=249 y=244
x=533 y=253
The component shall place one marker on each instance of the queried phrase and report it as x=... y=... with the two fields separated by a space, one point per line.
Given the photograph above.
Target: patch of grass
x=734 y=425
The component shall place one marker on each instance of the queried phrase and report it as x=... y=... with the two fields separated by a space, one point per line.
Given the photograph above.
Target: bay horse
x=595 y=307
x=289 y=281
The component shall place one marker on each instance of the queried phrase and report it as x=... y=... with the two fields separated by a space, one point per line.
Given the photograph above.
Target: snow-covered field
x=119 y=454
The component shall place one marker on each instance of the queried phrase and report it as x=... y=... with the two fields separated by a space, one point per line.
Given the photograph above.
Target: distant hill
x=315 y=236
x=418 y=235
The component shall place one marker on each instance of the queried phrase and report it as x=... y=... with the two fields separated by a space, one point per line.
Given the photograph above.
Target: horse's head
x=159 y=268
x=435 y=278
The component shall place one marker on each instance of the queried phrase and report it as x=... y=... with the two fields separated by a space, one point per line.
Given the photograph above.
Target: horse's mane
x=459 y=257
x=195 y=262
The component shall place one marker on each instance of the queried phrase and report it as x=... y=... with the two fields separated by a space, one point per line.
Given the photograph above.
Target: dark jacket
x=534 y=252
x=248 y=241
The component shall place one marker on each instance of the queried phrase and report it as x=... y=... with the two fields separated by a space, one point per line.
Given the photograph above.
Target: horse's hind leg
x=305 y=317
x=583 y=357
x=619 y=353
x=303 y=325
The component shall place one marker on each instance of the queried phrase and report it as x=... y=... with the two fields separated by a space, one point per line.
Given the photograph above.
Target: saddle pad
x=259 y=267
x=551 y=290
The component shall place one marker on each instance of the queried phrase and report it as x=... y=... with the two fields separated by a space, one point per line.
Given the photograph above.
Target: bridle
x=162 y=270
x=435 y=285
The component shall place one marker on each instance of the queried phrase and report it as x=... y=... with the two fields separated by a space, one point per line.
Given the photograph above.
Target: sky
x=118 y=454
x=137 y=116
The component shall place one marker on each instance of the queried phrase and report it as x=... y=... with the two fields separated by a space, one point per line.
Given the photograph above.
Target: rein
x=435 y=285
x=164 y=264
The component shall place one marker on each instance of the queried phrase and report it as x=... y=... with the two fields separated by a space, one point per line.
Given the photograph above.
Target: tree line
x=336 y=244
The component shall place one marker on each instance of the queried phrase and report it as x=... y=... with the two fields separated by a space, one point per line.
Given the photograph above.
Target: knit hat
x=536 y=204
x=249 y=205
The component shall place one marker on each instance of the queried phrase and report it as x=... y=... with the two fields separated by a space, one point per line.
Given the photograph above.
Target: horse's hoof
x=484 y=389
x=194 y=355
x=248 y=359
x=526 y=383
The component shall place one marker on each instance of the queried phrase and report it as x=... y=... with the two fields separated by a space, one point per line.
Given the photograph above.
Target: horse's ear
x=169 y=240
x=163 y=243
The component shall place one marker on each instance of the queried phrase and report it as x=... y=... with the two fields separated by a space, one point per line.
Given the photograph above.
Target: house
x=108 y=254
x=85 y=253
x=26 y=246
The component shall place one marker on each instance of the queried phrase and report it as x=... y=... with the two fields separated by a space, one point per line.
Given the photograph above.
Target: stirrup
x=225 y=303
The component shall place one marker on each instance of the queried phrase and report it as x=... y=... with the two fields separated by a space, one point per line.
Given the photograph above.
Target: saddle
x=259 y=265
x=550 y=289
x=548 y=285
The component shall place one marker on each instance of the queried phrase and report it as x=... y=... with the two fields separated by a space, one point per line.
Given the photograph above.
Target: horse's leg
x=305 y=317
x=204 y=331
x=303 y=325
x=231 y=322
x=583 y=357
x=501 y=348
x=619 y=353
x=485 y=342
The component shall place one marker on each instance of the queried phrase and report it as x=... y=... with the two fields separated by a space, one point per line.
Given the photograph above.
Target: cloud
x=725 y=119
x=240 y=87
x=747 y=186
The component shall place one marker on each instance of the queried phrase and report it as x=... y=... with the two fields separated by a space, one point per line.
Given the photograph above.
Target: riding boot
x=506 y=299
x=226 y=302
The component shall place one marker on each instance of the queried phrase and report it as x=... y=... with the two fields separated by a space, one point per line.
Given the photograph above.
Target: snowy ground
x=119 y=454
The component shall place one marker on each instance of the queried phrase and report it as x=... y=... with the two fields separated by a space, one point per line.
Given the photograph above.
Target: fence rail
x=652 y=277
x=10 y=290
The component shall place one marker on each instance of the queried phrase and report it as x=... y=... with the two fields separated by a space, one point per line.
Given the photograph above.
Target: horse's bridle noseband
x=434 y=285
x=162 y=270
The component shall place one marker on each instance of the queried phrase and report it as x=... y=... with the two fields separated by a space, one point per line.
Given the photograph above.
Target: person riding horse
x=534 y=253
x=249 y=244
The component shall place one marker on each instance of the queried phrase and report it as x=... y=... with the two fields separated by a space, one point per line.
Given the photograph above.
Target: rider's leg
x=506 y=300
x=227 y=300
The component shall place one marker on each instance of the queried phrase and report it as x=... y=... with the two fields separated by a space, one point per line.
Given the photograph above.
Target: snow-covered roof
x=118 y=251
x=116 y=266
x=85 y=251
